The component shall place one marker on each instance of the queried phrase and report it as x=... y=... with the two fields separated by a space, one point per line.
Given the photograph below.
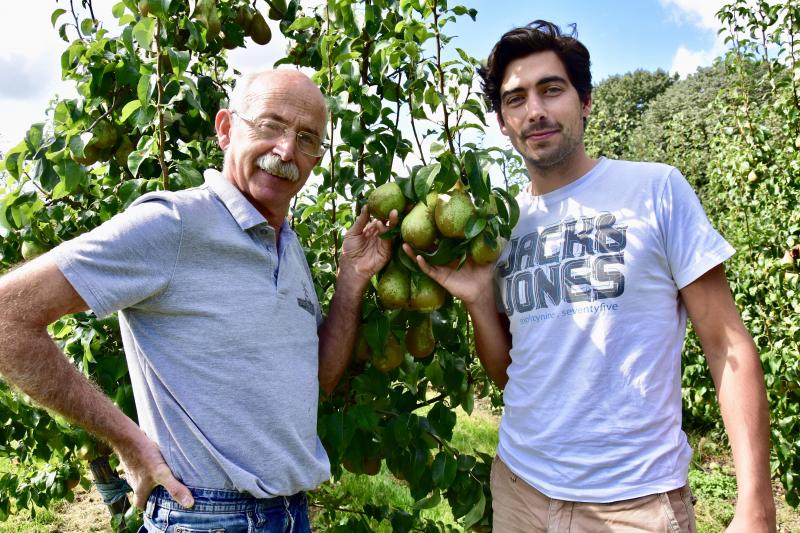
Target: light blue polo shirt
x=220 y=334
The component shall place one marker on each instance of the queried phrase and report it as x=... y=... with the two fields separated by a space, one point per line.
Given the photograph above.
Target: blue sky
x=622 y=35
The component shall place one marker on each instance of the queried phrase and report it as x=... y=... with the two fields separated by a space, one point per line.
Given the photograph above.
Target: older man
x=222 y=330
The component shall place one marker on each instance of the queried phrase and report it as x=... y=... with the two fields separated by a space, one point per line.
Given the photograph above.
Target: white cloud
x=686 y=62
x=702 y=13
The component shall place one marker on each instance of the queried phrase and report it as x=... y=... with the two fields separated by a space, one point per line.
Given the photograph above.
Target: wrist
x=350 y=275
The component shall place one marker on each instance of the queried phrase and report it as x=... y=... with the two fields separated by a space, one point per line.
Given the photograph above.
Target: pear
x=394 y=287
x=104 y=134
x=426 y=295
x=482 y=252
x=392 y=356
x=419 y=339
x=123 y=151
x=419 y=228
x=31 y=250
x=382 y=200
x=91 y=155
x=259 y=30
x=452 y=213
x=244 y=18
x=362 y=350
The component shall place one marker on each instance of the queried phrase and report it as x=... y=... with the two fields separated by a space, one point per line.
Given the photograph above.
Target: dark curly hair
x=538 y=36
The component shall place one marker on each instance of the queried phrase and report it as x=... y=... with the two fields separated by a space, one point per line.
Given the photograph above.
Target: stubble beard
x=555 y=157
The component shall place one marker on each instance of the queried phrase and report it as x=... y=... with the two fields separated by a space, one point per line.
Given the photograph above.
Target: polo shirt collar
x=240 y=208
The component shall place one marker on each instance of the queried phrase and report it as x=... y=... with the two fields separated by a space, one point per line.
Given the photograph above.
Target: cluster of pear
x=249 y=19
x=106 y=144
x=424 y=224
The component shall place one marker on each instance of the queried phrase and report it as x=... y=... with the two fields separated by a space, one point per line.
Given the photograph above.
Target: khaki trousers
x=520 y=508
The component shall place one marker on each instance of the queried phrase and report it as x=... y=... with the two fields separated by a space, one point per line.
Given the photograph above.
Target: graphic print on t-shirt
x=568 y=262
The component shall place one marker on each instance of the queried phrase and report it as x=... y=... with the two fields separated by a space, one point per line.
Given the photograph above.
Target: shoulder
x=644 y=169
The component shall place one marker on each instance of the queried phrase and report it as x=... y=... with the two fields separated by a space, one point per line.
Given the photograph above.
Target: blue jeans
x=225 y=511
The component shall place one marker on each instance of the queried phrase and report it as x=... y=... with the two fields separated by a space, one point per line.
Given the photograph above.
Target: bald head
x=251 y=88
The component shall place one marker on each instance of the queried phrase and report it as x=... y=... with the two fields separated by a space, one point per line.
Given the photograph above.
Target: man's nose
x=535 y=109
x=285 y=146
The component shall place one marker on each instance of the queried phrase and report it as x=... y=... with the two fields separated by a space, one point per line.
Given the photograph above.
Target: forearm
x=739 y=380
x=31 y=361
x=492 y=340
x=337 y=335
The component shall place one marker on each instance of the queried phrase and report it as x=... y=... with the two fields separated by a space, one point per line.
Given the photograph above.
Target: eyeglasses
x=271 y=130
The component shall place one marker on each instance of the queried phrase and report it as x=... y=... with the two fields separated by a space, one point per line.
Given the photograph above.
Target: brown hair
x=538 y=36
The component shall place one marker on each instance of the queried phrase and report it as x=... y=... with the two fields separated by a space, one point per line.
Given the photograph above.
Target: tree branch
x=447 y=131
x=160 y=108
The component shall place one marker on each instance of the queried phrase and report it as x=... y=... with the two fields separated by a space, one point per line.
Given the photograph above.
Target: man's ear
x=501 y=123
x=222 y=123
x=587 y=107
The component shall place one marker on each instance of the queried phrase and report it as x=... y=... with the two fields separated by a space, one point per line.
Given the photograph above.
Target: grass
x=711 y=478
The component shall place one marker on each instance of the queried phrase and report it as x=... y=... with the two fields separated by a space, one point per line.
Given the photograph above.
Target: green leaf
x=130 y=190
x=443 y=420
x=443 y=470
x=135 y=160
x=447 y=251
x=72 y=176
x=513 y=208
x=424 y=179
x=143 y=32
x=144 y=89
x=54 y=17
x=129 y=109
x=302 y=23
x=87 y=25
x=118 y=10
x=477 y=184
x=377 y=331
x=179 y=59
x=466 y=462
x=190 y=175
x=476 y=513
x=474 y=226
x=33 y=137
x=429 y=502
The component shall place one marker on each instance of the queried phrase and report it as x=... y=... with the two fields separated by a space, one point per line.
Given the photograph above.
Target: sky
x=621 y=35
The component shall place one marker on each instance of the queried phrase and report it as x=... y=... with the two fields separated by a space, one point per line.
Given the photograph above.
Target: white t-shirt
x=590 y=283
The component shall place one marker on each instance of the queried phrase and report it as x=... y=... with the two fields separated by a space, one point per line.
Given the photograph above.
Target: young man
x=607 y=260
x=222 y=329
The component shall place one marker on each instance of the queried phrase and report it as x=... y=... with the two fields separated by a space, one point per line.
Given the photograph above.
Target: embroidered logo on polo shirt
x=305 y=302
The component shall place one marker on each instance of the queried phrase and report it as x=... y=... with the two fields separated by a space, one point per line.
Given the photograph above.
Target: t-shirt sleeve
x=692 y=244
x=127 y=259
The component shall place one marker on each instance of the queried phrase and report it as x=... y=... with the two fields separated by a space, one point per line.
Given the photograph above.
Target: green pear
x=419 y=228
x=426 y=295
x=362 y=350
x=244 y=18
x=259 y=30
x=31 y=250
x=484 y=253
x=452 y=212
x=394 y=287
x=420 y=341
x=382 y=200
x=392 y=356
x=104 y=134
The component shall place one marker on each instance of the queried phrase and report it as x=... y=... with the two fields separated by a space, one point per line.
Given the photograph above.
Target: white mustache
x=277 y=167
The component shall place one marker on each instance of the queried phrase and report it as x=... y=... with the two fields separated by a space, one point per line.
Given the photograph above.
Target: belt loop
x=288 y=512
x=149 y=507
